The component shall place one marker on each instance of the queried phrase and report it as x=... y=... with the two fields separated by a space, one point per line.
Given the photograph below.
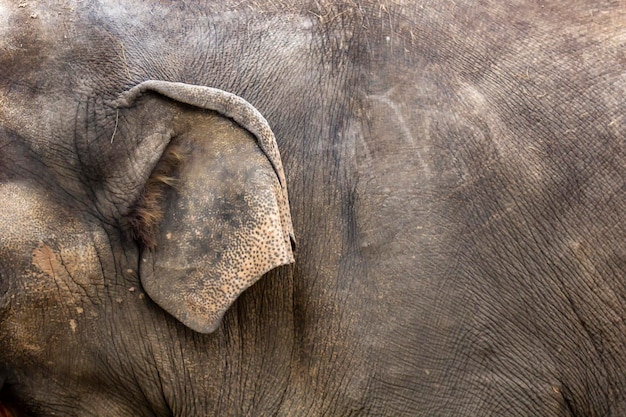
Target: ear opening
x=214 y=215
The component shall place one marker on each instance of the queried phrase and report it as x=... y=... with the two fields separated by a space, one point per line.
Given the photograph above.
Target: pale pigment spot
x=79 y=310
x=118 y=12
x=471 y=94
x=73 y=325
x=5 y=20
x=46 y=260
x=306 y=23
x=67 y=269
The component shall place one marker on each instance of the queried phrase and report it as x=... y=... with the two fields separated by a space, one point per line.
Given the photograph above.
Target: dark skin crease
x=455 y=175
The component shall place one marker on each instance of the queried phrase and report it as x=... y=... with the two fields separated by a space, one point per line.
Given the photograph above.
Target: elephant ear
x=228 y=222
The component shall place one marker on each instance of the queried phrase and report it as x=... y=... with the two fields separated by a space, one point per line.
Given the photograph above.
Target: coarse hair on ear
x=227 y=221
x=147 y=213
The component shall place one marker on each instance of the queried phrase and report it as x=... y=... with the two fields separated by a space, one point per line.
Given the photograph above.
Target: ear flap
x=228 y=221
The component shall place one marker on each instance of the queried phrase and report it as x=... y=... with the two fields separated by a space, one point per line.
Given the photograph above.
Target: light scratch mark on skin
x=398 y=113
x=366 y=149
x=406 y=132
x=117 y=118
x=122 y=55
x=124 y=59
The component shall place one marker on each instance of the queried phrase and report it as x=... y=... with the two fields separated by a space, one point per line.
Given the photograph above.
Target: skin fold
x=378 y=208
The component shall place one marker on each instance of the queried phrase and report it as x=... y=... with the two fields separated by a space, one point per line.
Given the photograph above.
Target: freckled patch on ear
x=248 y=251
x=147 y=213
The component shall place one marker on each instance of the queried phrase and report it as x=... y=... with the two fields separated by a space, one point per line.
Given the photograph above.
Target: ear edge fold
x=223 y=102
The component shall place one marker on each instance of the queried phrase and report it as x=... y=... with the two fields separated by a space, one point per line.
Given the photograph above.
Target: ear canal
x=227 y=220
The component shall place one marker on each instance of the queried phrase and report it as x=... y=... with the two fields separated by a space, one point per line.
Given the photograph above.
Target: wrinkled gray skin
x=456 y=177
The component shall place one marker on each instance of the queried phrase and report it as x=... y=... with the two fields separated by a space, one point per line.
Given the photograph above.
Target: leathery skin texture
x=312 y=208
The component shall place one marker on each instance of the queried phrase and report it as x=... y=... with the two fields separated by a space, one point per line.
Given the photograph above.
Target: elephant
x=312 y=208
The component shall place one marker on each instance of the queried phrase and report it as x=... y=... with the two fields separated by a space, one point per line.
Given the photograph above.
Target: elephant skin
x=325 y=208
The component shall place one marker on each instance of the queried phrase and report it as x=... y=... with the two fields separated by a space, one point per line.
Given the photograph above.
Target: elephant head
x=229 y=222
x=193 y=206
